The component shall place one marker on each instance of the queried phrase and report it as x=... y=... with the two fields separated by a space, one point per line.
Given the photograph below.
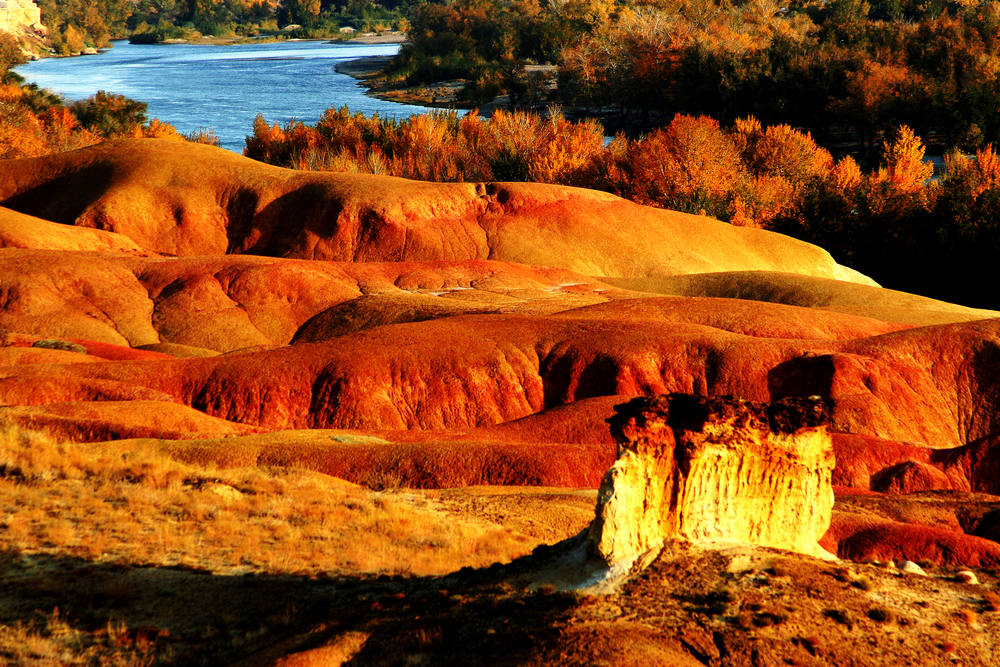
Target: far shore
x=365 y=38
x=369 y=69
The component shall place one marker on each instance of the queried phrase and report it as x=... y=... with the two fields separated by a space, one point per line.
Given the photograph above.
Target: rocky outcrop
x=20 y=17
x=715 y=470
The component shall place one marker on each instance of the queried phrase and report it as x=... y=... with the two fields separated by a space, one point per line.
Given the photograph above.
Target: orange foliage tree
x=690 y=165
x=34 y=123
x=25 y=132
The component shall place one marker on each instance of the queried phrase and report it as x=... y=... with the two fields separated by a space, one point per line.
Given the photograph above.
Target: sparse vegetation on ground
x=111 y=558
x=146 y=509
x=67 y=504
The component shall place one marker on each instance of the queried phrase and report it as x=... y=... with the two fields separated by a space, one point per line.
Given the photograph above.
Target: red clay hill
x=208 y=304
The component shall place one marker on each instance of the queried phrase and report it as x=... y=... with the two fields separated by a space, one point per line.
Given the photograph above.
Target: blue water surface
x=222 y=88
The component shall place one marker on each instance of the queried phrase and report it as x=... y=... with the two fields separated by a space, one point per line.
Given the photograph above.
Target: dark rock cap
x=688 y=412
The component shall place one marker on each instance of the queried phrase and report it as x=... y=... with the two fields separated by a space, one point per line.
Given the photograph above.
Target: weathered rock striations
x=20 y=17
x=715 y=469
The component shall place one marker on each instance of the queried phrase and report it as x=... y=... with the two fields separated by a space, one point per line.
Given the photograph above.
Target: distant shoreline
x=393 y=37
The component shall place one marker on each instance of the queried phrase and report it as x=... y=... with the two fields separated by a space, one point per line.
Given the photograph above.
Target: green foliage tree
x=11 y=54
x=110 y=115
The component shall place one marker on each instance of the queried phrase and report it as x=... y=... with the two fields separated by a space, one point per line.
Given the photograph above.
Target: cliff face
x=715 y=469
x=20 y=17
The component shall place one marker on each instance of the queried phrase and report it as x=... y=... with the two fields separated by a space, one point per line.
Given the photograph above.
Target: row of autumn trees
x=155 y=20
x=844 y=69
x=74 y=25
x=895 y=222
x=33 y=123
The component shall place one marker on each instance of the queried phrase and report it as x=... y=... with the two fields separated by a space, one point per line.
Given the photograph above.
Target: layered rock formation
x=934 y=386
x=715 y=470
x=20 y=17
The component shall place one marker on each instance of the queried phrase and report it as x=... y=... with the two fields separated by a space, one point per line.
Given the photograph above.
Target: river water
x=222 y=88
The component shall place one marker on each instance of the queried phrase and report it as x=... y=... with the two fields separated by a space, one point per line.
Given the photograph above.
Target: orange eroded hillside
x=932 y=385
x=191 y=199
x=447 y=338
x=175 y=302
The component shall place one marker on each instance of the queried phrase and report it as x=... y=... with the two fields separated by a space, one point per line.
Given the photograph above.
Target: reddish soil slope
x=940 y=528
x=482 y=332
x=811 y=292
x=107 y=420
x=933 y=386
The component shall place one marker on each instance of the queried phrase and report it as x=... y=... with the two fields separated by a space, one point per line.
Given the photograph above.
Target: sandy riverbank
x=370 y=70
x=393 y=37
x=363 y=68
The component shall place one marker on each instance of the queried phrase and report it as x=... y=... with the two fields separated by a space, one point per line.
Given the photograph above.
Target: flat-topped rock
x=712 y=470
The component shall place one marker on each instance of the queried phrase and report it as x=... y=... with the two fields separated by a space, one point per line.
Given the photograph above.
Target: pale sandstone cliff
x=715 y=470
x=20 y=17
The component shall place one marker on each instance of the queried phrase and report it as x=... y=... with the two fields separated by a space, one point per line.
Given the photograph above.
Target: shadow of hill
x=191 y=616
x=48 y=199
x=180 y=615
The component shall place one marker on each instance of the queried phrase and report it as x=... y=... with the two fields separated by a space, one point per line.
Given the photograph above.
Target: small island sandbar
x=363 y=68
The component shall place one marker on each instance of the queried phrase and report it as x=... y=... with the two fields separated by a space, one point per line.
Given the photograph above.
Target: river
x=222 y=88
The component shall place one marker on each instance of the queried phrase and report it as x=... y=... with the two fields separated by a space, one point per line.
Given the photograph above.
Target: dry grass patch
x=145 y=508
x=141 y=553
x=51 y=640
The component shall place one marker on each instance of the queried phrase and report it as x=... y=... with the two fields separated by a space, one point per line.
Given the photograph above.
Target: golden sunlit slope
x=191 y=199
x=228 y=303
x=24 y=231
x=811 y=292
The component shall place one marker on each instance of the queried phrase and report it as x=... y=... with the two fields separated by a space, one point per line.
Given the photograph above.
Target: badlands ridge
x=176 y=297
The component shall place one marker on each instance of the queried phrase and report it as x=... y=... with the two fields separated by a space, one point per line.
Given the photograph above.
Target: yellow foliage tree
x=906 y=171
x=157 y=129
x=846 y=175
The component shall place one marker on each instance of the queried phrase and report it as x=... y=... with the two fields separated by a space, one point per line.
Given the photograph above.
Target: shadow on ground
x=184 y=616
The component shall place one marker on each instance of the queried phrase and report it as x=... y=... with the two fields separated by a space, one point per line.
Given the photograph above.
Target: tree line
x=35 y=122
x=847 y=70
x=74 y=25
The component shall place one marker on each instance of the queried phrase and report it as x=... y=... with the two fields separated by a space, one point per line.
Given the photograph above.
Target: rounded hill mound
x=189 y=199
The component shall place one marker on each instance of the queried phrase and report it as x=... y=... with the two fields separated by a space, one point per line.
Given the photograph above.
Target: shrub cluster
x=34 y=122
